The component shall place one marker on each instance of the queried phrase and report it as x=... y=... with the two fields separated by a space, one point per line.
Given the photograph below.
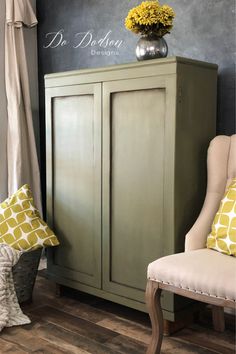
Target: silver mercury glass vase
x=150 y=47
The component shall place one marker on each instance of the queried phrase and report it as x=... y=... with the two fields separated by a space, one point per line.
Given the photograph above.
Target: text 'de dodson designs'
x=103 y=45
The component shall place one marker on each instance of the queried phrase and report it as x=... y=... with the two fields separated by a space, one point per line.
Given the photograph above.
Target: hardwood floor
x=92 y=325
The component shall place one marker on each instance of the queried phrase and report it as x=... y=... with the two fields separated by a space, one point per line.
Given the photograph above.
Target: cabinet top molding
x=144 y=68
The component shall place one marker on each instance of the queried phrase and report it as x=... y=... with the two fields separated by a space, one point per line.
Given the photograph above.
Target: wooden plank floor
x=91 y=325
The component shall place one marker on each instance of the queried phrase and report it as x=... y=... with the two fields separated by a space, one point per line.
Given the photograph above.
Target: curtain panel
x=22 y=157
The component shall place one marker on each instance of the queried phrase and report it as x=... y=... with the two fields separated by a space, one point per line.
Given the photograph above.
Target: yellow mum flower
x=150 y=17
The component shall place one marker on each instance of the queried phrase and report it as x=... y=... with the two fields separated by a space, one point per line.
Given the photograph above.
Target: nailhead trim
x=193 y=290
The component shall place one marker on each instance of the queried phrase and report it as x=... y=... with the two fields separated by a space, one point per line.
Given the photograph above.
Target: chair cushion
x=223 y=233
x=202 y=271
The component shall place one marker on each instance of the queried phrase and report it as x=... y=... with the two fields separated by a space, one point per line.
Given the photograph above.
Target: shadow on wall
x=205 y=30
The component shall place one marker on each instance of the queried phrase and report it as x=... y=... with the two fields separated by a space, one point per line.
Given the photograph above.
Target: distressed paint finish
x=135 y=124
x=74 y=179
x=152 y=123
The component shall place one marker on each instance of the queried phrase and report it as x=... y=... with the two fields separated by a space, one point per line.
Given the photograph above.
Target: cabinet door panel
x=134 y=166
x=76 y=181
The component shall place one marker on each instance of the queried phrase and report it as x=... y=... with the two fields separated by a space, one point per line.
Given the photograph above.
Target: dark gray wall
x=203 y=29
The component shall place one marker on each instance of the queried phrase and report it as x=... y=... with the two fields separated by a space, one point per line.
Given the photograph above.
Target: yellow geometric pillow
x=20 y=224
x=223 y=233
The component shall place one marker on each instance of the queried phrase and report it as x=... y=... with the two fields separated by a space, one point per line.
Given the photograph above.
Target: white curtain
x=21 y=148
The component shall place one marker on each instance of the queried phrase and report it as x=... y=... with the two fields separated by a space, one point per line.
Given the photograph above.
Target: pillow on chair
x=223 y=234
x=20 y=224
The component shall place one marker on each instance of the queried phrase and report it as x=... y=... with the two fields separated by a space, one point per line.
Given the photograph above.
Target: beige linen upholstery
x=221 y=164
x=204 y=271
x=201 y=271
x=198 y=273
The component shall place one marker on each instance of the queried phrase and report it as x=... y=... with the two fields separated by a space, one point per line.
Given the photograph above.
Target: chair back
x=221 y=164
x=221 y=168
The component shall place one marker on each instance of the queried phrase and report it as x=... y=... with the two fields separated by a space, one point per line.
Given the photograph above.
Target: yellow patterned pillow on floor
x=20 y=224
x=223 y=234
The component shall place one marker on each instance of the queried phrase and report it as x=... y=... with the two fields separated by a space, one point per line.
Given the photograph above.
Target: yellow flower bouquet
x=150 y=18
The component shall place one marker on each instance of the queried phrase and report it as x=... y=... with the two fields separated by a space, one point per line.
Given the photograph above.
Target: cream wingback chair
x=198 y=273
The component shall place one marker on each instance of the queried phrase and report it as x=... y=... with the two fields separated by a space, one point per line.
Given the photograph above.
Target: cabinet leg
x=172 y=327
x=218 y=318
x=58 y=290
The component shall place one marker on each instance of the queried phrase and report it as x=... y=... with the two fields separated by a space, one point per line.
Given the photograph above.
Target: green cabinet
x=126 y=162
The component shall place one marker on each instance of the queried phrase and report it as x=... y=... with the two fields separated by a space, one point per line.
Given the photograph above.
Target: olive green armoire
x=126 y=171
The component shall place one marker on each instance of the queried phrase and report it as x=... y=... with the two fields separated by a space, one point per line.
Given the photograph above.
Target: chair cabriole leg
x=153 y=297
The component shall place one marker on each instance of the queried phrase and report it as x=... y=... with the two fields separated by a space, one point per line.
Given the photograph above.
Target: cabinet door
x=137 y=172
x=74 y=181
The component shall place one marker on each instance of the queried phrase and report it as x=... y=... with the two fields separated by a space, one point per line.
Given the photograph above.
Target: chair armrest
x=196 y=237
